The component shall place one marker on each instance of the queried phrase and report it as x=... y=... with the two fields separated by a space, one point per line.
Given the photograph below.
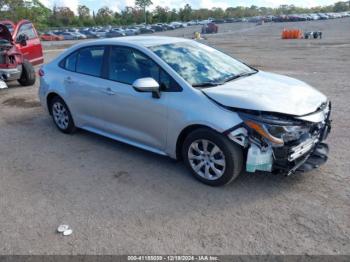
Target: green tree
x=62 y=16
x=84 y=16
x=185 y=14
x=83 y=12
x=200 y=14
x=341 y=6
x=39 y=14
x=127 y=16
x=173 y=15
x=218 y=13
x=143 y=4
x=161 y=14
x=12 y=9
x=43 y=17
x=104 y=16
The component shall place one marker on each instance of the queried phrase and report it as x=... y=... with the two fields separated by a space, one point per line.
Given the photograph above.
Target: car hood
x=5 y=33
x=268 y=92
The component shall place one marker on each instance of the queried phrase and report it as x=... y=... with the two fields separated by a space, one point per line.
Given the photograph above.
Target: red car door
x=33 y=50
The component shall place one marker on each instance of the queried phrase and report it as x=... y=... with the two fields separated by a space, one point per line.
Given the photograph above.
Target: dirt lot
x=122 y=200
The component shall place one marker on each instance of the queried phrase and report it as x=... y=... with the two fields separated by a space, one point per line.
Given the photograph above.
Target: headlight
x=262 y=130
x=276 y=130
x=287 y=133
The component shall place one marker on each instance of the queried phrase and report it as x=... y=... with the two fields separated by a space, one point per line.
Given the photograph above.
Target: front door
x=33 y=50
x=133 y=115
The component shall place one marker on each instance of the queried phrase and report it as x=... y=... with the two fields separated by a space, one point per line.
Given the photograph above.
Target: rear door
x=33 y=50
x=83 y=86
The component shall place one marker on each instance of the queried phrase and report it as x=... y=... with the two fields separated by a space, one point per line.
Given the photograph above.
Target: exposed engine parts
x=282 y=143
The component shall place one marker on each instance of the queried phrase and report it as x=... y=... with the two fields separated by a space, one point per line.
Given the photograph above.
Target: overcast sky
x=118 y=5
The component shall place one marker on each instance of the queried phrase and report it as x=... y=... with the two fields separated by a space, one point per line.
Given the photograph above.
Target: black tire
x=233 y=156
x=67 y=125
x=28 y=74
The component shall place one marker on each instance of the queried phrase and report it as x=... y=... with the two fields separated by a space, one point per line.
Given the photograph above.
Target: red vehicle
x=210 y=28
x=51 y=37
x=20 y=50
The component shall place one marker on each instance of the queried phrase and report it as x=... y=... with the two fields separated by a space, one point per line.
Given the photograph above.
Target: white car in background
x=69 y=36
x=101 y=33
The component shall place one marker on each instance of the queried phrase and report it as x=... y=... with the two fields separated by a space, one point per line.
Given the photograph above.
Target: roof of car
x=144 y=41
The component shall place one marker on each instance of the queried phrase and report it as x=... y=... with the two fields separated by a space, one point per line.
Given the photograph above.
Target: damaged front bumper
x=317 y=157
x=10 y=74
x=301 y=155
x=309 y=158
x=305 y=156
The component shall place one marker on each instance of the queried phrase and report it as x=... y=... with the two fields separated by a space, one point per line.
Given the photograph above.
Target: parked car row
x=108 y=31
x=308 y=17
x=272 y=18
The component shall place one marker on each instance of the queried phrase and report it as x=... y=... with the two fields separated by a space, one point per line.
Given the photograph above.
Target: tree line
x=60 y=16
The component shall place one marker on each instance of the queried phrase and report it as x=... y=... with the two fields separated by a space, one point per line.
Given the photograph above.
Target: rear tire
x=212 y=157
x=28 y=74
x=61 y=115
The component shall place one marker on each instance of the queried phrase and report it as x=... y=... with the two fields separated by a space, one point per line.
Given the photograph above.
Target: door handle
x=108 y=91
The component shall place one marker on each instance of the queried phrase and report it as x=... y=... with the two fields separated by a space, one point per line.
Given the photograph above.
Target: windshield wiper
x=233 y=77
x=230 y=78
x=205 y=84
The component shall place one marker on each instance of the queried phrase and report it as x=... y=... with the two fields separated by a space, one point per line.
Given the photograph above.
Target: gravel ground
x=122 y=200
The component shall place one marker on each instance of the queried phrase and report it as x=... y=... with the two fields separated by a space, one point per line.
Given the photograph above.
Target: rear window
x=90 y=61
x=70 y=62
x=86 y=61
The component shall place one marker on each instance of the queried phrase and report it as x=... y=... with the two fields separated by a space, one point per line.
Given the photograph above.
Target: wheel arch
x=184 y=133
x=49 y=99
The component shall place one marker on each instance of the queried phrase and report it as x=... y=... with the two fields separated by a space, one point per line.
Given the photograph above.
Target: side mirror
x=22 y=39
x=147 y=84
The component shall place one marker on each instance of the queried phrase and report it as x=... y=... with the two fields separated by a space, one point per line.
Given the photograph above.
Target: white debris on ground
x=65 y=230
x=3 y=85
x=68 y=232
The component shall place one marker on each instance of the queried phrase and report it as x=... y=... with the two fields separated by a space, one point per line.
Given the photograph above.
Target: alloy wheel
x=206 y=159
x=60 y=114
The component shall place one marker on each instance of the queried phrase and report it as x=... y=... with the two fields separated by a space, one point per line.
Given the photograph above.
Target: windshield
x=201 y=65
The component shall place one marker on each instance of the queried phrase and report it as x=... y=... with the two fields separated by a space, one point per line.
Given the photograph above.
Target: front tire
x=212 y=157
x=61 y=115
x=28 y=74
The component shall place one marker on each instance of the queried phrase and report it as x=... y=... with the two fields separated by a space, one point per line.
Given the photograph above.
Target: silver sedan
x=186 y=100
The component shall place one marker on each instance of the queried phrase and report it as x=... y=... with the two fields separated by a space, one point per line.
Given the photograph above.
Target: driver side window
x=127 y=65
x=167 y=83
x=28 y=30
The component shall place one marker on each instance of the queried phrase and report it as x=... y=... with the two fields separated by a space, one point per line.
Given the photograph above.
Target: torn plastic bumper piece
x=259 y=159
x=317 y=157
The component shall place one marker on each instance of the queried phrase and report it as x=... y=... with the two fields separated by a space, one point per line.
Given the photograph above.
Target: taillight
x=41 y=72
